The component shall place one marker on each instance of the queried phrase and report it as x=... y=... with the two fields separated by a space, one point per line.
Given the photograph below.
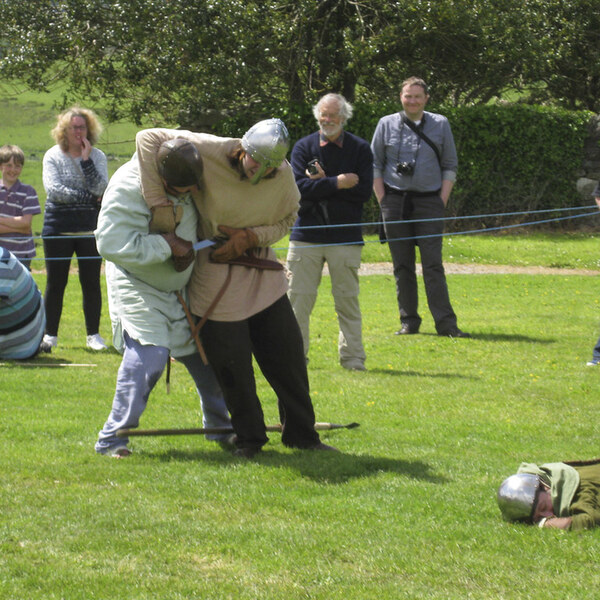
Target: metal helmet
x=516 y=496
x=267 y=142
x=179 y=163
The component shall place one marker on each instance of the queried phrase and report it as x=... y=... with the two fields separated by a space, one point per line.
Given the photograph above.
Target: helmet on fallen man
x=517 y=495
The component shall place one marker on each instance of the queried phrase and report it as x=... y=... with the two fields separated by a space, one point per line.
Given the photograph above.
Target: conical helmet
x=267 y=142
x=516 y=496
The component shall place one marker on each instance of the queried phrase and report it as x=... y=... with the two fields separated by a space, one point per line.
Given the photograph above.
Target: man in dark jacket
x=334 y=172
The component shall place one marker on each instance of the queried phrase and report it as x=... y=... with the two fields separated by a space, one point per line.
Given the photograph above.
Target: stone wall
x=590 y=170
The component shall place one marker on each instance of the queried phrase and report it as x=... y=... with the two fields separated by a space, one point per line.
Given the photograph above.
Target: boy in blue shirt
x=18 y=204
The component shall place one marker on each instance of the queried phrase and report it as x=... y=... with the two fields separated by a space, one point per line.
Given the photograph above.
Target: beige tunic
x=269 y=208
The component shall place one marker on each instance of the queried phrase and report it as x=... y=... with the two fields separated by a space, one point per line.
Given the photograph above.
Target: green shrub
x=517 y=158
x=512 y=157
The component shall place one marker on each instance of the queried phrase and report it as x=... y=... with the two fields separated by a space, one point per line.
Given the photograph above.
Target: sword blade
x=203 y=244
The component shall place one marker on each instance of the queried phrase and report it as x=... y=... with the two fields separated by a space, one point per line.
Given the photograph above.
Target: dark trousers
x=58 y=252
x=274 y=338
x=401 y=239
x=26 y=262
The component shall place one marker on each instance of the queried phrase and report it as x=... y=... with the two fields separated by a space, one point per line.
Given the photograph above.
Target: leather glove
x=182 y=251
x=165 y=218
x=239 y=241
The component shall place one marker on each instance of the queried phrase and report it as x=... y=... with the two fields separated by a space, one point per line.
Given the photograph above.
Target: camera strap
x=419 y=131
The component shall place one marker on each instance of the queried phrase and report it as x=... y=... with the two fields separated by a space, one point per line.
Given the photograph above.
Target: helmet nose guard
x=516 y=496
x=179 y=163
x=267 y=142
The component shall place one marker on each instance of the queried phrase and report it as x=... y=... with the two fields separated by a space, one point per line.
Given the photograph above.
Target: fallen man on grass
x=558 y=495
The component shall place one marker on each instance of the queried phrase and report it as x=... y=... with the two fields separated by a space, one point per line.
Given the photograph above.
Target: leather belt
x=410 y=193
x=244 y=260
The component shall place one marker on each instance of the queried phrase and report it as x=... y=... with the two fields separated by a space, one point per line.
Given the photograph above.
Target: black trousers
x=273 y=338
x=58 y=252
x=400 y=214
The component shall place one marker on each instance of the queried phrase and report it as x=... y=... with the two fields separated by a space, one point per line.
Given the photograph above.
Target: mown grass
x=406 y=510
x=559 y=250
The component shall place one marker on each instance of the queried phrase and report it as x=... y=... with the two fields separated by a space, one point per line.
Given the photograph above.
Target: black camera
x=312 y=167
x=406 y=168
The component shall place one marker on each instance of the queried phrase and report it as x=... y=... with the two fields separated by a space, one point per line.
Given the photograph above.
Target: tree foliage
x=569 y=35
x=193 y=61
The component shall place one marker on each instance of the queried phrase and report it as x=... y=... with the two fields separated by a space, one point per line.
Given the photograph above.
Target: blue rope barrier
x=446 y=218
x=377 y=223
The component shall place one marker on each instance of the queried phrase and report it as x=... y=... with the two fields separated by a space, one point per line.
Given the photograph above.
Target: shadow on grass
x=55 y=359
x=495 y=337
x=109 y=350
x=396 y=372
x=43 y=361
x=512 y=337
x=323 y=467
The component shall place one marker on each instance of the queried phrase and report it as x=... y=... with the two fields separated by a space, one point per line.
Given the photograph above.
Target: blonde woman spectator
x=75 y=176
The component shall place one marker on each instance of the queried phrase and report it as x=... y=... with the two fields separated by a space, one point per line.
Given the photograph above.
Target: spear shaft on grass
x=208 y=430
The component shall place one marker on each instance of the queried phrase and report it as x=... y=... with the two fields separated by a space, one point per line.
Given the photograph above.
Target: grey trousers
x=406 y=227
x=139 y=372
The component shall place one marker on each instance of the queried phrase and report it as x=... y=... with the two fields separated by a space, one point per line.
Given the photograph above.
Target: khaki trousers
x=305 y=264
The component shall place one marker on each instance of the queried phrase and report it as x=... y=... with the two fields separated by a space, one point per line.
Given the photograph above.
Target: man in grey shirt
x=415 y=166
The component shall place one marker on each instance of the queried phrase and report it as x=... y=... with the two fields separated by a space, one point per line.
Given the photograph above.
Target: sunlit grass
x=407 y=510
x=560 y=250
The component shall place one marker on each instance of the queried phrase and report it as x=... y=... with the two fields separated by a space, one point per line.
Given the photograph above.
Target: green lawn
x=406 y=510
x=559 y=250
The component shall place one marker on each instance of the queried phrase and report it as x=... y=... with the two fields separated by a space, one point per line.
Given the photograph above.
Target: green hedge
x=517 y=158
x=512 y=158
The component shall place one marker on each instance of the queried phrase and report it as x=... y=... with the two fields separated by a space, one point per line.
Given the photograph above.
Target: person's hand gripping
x=239 y=240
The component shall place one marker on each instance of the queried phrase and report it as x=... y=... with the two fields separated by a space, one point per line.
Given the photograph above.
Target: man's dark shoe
x=246 y=452
x=406 y=329
x=322 y=446
x=455 y=333
x=228 y=442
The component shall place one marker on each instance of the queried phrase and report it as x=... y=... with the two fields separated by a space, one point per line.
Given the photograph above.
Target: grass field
x=406 y=510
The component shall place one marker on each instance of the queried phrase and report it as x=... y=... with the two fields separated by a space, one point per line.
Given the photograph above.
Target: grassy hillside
x=28 y=117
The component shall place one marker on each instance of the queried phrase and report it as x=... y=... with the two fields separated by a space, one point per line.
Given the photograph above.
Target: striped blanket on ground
x=22 y=315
